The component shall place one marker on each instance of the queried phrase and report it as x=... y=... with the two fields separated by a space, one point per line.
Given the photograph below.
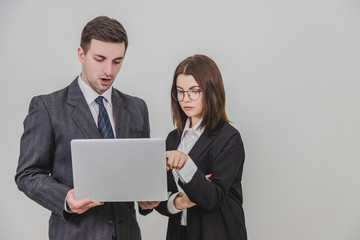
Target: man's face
x=101 y=64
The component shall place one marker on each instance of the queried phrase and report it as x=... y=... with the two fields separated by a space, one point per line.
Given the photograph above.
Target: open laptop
x=115 y=170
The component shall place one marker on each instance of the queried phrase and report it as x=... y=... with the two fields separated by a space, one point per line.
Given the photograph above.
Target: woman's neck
x=193 y=121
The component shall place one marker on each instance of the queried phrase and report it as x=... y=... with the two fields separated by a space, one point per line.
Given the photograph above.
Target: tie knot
x=99 y=100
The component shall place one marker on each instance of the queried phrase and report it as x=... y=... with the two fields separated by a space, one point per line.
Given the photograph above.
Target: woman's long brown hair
x=208 y=76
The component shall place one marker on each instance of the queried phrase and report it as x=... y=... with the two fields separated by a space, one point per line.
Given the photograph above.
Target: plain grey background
x=291 y=74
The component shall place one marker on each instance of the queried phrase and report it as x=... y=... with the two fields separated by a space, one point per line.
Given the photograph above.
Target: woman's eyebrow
x=189 y=87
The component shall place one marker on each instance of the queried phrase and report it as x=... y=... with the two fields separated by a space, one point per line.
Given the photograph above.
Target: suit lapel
x=201 y=144
x=121 y=117
x=199 y=147
x=173 y=145
x=81 y=113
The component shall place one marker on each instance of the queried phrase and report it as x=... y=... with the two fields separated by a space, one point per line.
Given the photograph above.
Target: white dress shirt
x=90 y=97
x=188 y=139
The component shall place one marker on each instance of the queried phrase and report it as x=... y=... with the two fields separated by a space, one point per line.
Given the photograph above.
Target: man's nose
x=108 y=69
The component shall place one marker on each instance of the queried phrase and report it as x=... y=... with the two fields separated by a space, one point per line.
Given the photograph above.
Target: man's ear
x=81 y=54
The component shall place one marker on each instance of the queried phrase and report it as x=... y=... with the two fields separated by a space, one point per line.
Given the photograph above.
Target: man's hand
x=148 y=205
x=175 y=159
x=79 y=206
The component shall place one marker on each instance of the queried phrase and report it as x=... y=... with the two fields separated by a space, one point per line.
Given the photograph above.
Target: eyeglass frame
x=183 y=94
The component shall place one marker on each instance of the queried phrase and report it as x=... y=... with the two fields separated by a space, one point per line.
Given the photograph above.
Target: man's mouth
x=105 y=80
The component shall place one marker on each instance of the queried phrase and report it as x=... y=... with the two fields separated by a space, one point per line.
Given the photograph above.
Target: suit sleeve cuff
x=67 y=208
x=187 y=172
x=170 y=204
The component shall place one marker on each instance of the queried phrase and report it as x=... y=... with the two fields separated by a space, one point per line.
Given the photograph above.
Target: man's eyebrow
x=98 y=55
x=119 y=58
x=101 y=56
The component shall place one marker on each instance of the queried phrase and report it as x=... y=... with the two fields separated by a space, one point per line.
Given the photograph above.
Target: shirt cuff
x=170 y=204
x=187 y=172
x=66 y=207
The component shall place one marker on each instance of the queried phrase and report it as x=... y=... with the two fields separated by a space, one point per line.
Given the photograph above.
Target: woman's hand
x=175 y=159
x=182 y=201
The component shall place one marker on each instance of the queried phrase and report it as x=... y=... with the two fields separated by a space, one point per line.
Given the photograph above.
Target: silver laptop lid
x=112 y=170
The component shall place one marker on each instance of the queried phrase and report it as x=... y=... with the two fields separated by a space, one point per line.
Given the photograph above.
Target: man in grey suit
x=44 y=172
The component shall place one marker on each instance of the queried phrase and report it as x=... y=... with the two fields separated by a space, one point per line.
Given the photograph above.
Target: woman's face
x=193 y=108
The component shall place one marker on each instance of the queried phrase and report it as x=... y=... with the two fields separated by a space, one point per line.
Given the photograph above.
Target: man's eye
x=99 y=59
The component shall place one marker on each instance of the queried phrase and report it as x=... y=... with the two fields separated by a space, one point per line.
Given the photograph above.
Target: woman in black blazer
x=205 y=158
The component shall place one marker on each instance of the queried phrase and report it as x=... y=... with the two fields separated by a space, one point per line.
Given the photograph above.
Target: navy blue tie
x=104 y=123
x=106 y=131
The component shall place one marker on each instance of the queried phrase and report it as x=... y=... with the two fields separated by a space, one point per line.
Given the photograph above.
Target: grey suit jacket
x=44 y=171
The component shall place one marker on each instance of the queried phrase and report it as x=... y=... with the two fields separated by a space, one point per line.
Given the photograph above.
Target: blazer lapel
x=201 y=144
x=81 y=113
x=174 y=144
x=121 y=117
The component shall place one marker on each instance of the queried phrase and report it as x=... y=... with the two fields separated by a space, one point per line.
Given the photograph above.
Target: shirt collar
x=195 y=129
x=90 y=94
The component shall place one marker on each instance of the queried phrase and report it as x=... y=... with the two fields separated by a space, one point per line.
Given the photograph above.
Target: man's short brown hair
x=103 y=29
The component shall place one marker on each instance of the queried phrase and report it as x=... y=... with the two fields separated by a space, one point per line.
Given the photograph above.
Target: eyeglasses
x=193 y=94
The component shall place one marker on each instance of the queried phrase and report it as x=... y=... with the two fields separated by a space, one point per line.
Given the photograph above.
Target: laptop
x=117 y=170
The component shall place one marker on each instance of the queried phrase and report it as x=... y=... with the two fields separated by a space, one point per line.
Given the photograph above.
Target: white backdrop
x=291 y=73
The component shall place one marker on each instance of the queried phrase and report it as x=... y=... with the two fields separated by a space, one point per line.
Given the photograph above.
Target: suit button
x=110 y=222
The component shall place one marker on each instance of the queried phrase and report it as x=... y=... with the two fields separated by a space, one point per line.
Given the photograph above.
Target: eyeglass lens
x=193 y=94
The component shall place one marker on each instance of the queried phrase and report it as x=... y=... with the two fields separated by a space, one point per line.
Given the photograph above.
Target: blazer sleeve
x=172 y=189
x=33 y=175
x=146 y=134
x=163 y=209
x=226 y=168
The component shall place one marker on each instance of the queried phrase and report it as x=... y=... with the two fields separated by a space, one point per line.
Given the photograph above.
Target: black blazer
x=44 y=172
x=218 y=213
